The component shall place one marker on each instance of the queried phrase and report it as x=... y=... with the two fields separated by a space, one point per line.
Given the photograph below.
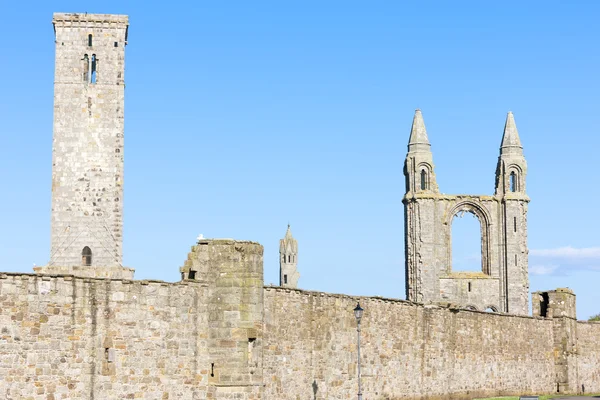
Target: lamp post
x=358 y=312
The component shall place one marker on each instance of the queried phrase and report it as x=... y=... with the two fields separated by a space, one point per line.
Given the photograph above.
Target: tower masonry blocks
x=502 y=285
x=87 y=153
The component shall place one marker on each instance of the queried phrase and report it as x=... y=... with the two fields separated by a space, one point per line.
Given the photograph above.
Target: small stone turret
x=288 y=261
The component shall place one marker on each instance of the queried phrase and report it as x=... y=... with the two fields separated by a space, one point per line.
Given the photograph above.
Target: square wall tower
x=87 y=154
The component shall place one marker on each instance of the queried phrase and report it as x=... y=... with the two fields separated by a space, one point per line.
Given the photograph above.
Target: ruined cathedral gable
x=502 y=283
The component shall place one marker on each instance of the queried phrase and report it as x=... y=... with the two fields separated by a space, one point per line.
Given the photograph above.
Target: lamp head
x=358 y=312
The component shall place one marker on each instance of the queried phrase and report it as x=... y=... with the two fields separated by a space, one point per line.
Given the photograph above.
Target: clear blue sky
x=244 y=116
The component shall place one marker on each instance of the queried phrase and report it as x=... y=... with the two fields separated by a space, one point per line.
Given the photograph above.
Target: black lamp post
x=358 y=312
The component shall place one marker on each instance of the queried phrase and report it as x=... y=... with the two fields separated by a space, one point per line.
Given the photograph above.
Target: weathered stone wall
x=66 y=337
x=408 y=350
x=74 y=338
x=588 y=356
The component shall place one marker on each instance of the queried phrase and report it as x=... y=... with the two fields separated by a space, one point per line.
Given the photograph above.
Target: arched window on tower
x=423 y=179
x=86 y=256
x=513 y=181
x=289 y=258
x=86 y=68
x=94 y=69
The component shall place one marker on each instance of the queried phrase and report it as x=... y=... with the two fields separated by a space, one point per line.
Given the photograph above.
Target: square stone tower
x=87 y=157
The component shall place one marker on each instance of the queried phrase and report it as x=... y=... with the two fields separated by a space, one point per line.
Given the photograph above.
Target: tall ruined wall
x=408 y=350
x=73 y=338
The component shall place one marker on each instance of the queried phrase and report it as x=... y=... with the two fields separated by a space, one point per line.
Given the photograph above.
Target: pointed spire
x=418 y=134
x=288 y=233
x=510 y=139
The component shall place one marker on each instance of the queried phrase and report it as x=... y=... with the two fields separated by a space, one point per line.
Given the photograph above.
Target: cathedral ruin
x=82 y=328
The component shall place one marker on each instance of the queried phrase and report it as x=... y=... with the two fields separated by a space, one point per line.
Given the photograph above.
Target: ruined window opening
x=86 y=256
x=513 y=181
x=94 y=69
x=423 y=179
x=544 y=305
x=192 y=275
x=469 y=286
x=90 y=40
x=515 y=223
x=285 y=279
x=251 y=341
x=86 y=68
x=466 y=242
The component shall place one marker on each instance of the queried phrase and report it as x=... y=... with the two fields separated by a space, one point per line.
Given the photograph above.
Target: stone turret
x=288 y=260
x=418 y=167
x=510 y=189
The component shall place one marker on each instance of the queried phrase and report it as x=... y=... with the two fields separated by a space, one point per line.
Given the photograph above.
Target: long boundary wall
x=419 y=352
x=226 y=337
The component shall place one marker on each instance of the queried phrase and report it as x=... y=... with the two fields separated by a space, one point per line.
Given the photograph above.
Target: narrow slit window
x=86 y=256
x=515 y=260
x=289 y=258
x=90 y=40
x=423 y=180
x=285 y=279
x=86 y=68
x=515 y=223
x=469 y=286
x=94 y=69
x=513 y=181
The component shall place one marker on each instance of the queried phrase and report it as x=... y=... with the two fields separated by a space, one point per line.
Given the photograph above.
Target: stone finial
x=510 y=139
x=418 y=134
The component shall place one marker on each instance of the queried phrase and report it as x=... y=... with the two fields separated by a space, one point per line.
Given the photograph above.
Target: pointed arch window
x=86 y=256
x=423 y=179
x=94 y=69
x=512 y=181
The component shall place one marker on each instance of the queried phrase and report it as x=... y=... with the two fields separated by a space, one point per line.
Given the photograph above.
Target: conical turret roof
x=511 y=143
x=418 y=134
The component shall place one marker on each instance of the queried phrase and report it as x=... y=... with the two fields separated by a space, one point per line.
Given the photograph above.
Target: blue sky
x=244 y=116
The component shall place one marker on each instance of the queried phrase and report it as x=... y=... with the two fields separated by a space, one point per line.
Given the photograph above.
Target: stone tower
x=502 y=285
x=288 y=260
x=87 y=158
